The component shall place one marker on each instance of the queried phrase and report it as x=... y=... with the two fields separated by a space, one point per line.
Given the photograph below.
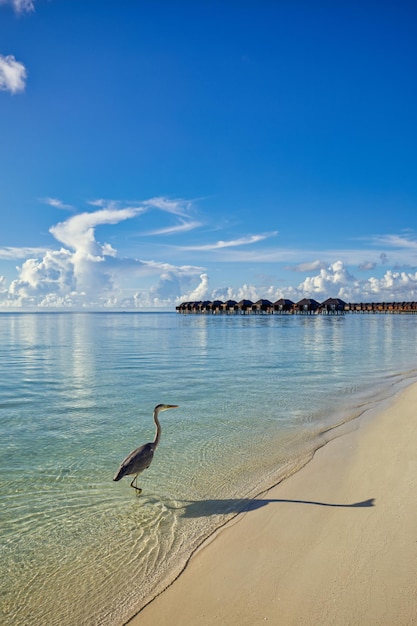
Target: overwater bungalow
x=284 y=306
x=230 y=306
x=334 y=306
x=216 y=307
x=245 y=306
x=263 y=306
x=307 y=306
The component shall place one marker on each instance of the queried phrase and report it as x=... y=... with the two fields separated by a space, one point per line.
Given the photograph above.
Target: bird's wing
x=136 y=461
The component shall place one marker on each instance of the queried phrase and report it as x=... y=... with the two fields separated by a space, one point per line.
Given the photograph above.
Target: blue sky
x=158 y=151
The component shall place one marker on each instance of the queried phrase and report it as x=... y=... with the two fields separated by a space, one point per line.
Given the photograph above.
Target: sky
x=160 y=151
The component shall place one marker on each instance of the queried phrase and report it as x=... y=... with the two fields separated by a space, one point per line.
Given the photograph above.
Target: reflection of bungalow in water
x=334 y=306
x=307 y=306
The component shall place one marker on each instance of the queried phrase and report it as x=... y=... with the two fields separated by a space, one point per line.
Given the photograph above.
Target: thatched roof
x=283 y=304
x=263 y=302
x=245 y=303
x=308 y=303
x=333 y=302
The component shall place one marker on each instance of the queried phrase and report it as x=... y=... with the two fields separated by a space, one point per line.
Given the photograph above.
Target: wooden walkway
x=306 y=306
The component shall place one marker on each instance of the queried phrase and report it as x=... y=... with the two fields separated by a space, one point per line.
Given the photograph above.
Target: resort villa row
x=306 y=306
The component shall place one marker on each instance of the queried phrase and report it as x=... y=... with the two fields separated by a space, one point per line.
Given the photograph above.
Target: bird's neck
x=158 y=429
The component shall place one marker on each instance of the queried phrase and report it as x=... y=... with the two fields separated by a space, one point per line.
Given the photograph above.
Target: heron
x=141 y=458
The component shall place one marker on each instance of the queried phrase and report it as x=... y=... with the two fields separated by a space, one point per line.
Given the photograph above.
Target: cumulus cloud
x=83 y=270
x=332 y=281
x=72 y=275
x=87 y=272
x=200 y=292
x=78 y=232
x=54 y=273
x=392 y=286
x=12 y=74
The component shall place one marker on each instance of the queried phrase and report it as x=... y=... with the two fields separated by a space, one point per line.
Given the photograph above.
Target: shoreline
x=322 y=546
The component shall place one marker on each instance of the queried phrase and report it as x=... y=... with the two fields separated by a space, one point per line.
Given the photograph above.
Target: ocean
x=257 y=396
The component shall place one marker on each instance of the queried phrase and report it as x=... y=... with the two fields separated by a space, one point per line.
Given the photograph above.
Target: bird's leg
x=138 y=489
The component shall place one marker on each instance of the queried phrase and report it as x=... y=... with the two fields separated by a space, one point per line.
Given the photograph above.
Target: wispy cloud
x=177 y=207
x=367 y=266
x=58 y=204
x=10 y=253
x=232 y=243
x=308 y=267
x=183 y=227
x=20 y=6
x=12 y=74
x=395 y=241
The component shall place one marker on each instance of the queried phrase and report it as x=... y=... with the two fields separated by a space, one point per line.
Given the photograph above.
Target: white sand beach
x=334 y=544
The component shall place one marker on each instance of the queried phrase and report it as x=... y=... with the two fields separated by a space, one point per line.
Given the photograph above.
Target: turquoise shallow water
x=76 y=395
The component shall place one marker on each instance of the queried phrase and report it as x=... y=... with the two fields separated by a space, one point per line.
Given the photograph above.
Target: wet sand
x=334 y=544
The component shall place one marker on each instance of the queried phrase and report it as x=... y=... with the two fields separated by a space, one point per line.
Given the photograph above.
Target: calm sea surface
x=76 y=396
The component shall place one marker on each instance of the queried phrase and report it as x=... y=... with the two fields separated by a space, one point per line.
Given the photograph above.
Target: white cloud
x=87 y=272
x=201 y=292
x=78 y=231
x=332 y=281
x=393 y=286
x=12 y=74
x=20 y=6
x=53 y=273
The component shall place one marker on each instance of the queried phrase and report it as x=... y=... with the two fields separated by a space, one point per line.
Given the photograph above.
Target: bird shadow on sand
x=206 y=508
